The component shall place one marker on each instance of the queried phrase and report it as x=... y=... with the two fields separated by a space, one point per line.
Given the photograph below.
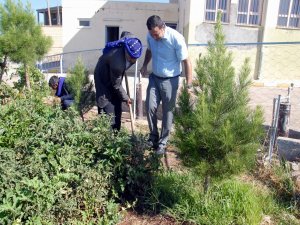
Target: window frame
x=249 y=13
x=227 y=11
x=289 y=16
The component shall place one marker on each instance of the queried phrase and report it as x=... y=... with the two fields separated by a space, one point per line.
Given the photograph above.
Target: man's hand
x=143 y=70
x=129 y=102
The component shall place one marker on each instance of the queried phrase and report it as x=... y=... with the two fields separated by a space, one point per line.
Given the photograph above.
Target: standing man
x=117 y=57
x=167 y=49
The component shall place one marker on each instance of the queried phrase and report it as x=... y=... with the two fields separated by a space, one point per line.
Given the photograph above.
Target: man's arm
x=147 y=59
x=188 y=71
x=116 y=80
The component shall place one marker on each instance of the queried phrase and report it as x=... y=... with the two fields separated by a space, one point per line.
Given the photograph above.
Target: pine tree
x=219 y=131
x=81 y=88
x=21 y=39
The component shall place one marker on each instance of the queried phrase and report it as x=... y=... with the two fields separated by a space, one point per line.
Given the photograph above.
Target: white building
x=89 y=24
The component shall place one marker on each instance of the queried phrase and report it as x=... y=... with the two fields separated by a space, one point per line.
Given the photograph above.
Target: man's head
x=134 y=48
x=126 y=34
x=156 y=27
x=53 y=82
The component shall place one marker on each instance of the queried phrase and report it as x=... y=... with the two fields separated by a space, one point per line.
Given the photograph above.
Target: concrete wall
x=279 y=62
x=55 y=32
x=268 y=62
x=129 y=16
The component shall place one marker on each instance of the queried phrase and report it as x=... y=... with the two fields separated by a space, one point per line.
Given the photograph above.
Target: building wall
x=268 y=62
x=55 y=32
x=128 y=16
x=279 y=62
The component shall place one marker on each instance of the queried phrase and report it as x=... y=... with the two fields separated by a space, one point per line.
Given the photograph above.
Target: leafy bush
x=57 y=169
x=219 y=132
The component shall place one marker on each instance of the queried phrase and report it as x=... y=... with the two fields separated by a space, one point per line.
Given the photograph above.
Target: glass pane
x=224 y=17
x=84 y=23
x=210 y=16
x=284 y=7
x=242 y=19
x=243 y=6
x=223 y=4
x=282 y=21
x=294 y=22
x=254 y=7
x=254 y=19
x=295 y=7
x=211 y=4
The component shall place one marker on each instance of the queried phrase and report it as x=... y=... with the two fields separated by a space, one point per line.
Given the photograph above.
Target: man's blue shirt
x=167 y=53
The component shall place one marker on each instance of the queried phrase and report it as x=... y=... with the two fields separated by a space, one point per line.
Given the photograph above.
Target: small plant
x=81 y=88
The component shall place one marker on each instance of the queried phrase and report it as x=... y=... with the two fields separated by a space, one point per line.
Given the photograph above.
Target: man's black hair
x=155 y=21
x=126 y=34
x=53 y=80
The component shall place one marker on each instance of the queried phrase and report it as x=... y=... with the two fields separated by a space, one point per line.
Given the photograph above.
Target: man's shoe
x=150 y=144
x=160 y=151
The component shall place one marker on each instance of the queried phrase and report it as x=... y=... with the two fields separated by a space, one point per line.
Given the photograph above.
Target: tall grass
x=230 y=201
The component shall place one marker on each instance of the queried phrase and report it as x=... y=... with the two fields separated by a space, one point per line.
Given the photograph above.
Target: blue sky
x=40 y=4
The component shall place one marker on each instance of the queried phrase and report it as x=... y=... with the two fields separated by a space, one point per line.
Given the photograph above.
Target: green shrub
x=218 y=129
x=57 y=169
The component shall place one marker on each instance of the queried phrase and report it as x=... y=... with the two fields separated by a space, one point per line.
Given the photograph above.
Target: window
x=289 y=13
x=84 y=22
x=249 y=12
x=212 y=7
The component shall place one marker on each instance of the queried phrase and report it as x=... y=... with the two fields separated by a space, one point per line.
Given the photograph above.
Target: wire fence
x=268 y=60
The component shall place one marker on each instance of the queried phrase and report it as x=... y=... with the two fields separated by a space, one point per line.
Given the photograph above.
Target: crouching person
x=59 y=85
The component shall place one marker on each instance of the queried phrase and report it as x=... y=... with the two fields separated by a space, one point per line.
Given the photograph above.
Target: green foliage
x=50 y=167
x=37 y=79
x=6 y=93
x=218 y=132
x=226 y=202
x=80 y=85
x=21 y=39
x=56 y=169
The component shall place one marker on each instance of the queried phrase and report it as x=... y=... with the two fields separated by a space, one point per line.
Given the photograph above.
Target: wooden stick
x=130 y=108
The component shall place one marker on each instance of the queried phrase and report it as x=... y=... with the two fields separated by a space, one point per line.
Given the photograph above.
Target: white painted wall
x=129 y=16
x=267 y=62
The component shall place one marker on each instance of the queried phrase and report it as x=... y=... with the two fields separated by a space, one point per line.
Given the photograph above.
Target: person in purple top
x=62 y=91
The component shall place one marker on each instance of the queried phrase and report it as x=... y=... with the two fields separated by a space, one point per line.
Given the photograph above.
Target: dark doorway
x=172 y=25
x=112 y=34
